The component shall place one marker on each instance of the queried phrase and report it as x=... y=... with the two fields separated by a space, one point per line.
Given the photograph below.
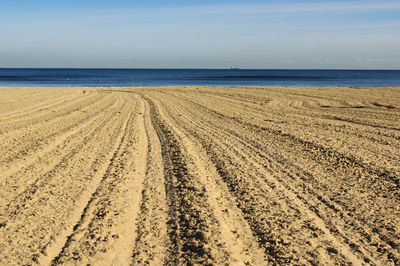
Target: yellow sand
x=178 y=175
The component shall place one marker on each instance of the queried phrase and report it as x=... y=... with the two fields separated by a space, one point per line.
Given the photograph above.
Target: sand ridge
x=200 y=175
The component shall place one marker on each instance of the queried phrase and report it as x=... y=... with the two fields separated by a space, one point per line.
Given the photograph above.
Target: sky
x=286 y=34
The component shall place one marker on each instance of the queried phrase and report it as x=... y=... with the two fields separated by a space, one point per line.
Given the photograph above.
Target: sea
x=84 y=77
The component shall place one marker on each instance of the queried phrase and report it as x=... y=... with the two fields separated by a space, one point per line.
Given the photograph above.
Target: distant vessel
x=234 y=68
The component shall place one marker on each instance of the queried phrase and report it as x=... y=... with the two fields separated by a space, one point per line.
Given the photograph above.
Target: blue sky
x=200 y=34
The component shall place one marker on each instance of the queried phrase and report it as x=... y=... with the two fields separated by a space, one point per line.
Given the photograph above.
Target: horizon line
x=174 y=68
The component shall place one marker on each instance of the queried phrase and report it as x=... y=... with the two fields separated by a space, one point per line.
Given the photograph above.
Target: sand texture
x=199 y=175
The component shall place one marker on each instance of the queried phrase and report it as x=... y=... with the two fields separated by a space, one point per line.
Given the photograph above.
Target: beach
x=199 y=175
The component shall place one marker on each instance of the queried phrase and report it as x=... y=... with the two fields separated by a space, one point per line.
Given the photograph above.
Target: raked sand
x=199 y=175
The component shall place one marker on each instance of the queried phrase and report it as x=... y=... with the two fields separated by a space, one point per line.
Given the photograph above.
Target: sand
x=200 y=175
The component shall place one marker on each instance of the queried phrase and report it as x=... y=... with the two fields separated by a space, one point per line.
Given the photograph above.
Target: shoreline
x=208 y=86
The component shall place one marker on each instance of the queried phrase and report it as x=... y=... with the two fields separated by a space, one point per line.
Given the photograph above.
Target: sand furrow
x=57 y=191
x=20 y=177
x=231 y=230
x=47 y=148
x=188 y=229
x=32 y=138
x=48 y=115
x=231 y=141
x=199 y=175
x=27 y=100
x=274 y=138
x=96 y=190
x=45 y=107
x=249 y=192
x=227 y=224
x=108 y=221
x=286 y=163
x=151 y=242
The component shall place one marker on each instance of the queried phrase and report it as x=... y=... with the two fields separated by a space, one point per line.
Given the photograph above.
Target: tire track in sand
x=360 y=239
x=57 y=163
x=200 y=175
x=239 y=187
x=49 y=208
x=32 y=110
x=187 y=225
x=229 y=237
x=151 y=242
x=107 y=224
x=55 y=252
x=59 y=139
x=33 y=137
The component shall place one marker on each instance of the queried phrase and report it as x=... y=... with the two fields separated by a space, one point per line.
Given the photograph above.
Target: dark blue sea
x=212 y=77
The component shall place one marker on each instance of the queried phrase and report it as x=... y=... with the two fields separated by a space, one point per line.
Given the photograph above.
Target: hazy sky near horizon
x=200 y=34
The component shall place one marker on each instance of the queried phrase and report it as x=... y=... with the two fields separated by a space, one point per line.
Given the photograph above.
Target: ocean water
x=212 y=77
